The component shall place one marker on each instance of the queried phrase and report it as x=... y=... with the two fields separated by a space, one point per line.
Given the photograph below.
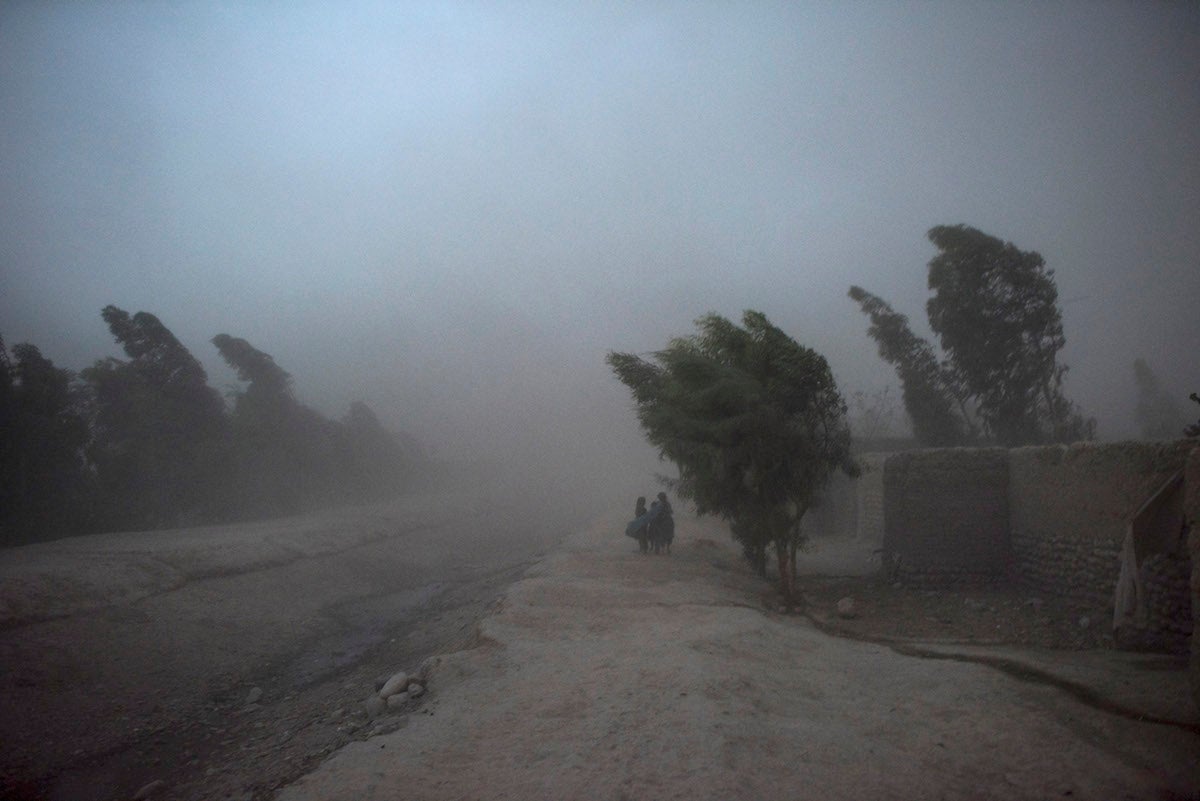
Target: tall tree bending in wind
x=995 y=311
x=159 y=432
x=44 y=480
x=927 y=399
x=753 y=421
x=287 y=453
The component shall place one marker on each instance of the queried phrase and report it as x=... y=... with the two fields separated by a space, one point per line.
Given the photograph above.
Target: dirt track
x=601 y=674
x=609 y=675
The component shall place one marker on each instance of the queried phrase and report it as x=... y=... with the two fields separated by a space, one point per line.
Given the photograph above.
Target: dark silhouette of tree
x=927 y=399
x=995 y=311
x=159 y=432
x=377 y=464
x=288 y=454
x=290 y=457
x=1193 y=430
x=144 y=442
x=753 y=421
x=265 y=379
x=1158 y=416
x=43 y=477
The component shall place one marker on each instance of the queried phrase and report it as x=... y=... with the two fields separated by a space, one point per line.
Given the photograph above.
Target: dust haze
x=452 y=212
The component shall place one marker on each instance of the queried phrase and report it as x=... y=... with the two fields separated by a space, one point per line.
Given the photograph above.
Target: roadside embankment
x=65 y=577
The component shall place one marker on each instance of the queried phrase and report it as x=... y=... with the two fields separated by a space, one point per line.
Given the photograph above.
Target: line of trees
x=144 y=442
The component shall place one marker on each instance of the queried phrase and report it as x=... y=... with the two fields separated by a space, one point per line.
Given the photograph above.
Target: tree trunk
x=757 y=556
x=793 y=545
x=787 y=576
x=795 y=538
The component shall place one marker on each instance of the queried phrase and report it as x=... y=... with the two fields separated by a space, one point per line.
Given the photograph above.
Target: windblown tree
x=287 y=453
x=995 y=311
x=377 y=464
x=159 y=432
x=927 y=397
x=144 y=442
x=291 y=457
x=263 y=409
x=43 y=476
x=754 y=423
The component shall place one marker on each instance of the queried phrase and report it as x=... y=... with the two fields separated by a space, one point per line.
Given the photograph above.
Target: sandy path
x=609 y=675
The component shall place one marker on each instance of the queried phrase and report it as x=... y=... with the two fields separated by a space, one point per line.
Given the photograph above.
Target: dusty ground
x=605 y=674
x=999 y=614
x=597 y=650
x=218 y=746
x=145 y=677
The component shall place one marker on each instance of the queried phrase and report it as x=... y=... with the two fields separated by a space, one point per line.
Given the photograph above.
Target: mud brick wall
x=851 y=507
x=869 y=498
x=1191 y=510
x=1069 y=507
x=947 y=514
x=834 y=514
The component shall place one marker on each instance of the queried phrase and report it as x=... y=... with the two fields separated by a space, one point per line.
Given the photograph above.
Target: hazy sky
x=453 y=211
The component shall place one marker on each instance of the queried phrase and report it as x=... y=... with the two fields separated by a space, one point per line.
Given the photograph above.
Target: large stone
x=1191 y=511
x=398 y=683
x=847 y=608
x=152 y=789
x=376 y=706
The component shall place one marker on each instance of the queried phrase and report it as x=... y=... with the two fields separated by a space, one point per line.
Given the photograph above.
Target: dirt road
x=132 y=659
x=610 y=675
x=235 y=662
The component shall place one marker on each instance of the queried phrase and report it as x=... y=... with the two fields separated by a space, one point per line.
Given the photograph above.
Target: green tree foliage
x=1158 y=416
x=43 y=477
x=995 y=311
x=754 y=423
x=159 y=436
x=927 y=397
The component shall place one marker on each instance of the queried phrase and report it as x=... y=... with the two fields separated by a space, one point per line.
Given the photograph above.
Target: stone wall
x=869 y=520
x=1169 y=610
x=1070 y=507
x=1052 y=518
x=1191 y=511
x=947 y=514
